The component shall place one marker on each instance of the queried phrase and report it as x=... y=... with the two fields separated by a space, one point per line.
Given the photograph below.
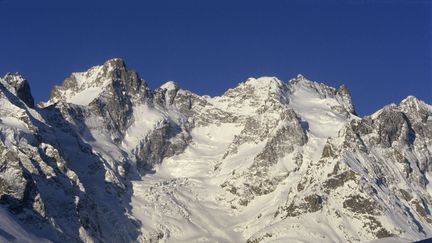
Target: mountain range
x=108 y=159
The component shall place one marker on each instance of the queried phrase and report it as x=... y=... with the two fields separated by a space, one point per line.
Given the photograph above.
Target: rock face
x=16 y=84
x=108 y=160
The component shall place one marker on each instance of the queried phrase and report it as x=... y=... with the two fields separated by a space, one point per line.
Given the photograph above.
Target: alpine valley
x=107 y=159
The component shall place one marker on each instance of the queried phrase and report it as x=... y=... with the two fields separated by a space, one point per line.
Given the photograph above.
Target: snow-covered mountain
x=107 y=159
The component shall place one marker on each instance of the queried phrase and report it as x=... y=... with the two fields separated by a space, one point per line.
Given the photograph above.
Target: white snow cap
x=300 y=76
x=410 y=98
x=14 y=77
x=262 y=81
x=170 y=85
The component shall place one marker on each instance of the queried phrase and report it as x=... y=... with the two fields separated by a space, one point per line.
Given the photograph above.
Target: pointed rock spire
x=18 y=85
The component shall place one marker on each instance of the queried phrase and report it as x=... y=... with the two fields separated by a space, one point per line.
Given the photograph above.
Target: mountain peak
x=343 y=90
x=410 y=99
x=16 y=75
x=263 y=80
x=170 y=85
x=412 y=104
x=19 y=86
x=115 y=63
x=262 y=84
x=81 y=88
x=300 y=76
x=308 y=88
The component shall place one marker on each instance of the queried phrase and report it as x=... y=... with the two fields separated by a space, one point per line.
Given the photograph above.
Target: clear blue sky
x=380 y=49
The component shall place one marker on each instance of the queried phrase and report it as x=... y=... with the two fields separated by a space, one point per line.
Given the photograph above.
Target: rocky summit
x=107 y=159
